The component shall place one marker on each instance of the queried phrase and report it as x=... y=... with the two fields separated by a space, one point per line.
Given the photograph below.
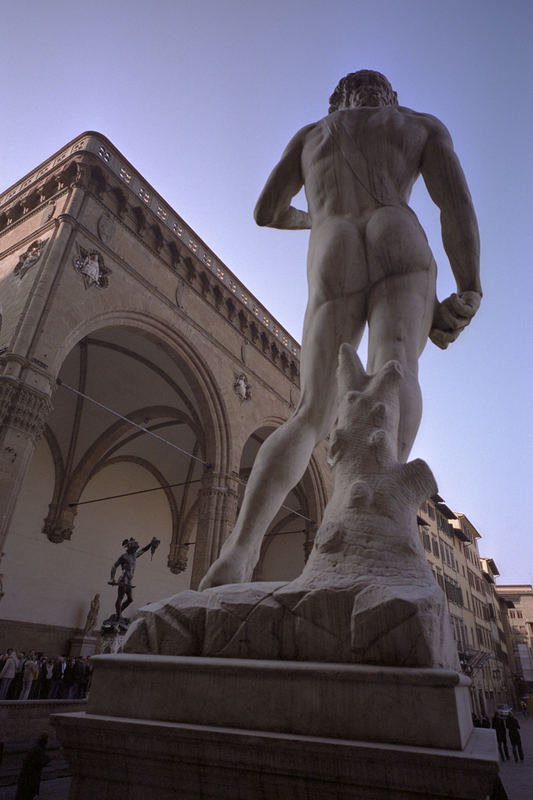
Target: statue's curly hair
x=347 y=84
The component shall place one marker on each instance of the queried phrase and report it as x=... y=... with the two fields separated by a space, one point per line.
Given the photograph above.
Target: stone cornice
x=23 y=196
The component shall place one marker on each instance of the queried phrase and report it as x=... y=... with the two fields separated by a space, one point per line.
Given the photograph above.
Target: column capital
x=217 y=510
x=23 y=408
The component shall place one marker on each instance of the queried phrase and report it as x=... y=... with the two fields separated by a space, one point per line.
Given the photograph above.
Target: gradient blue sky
x=203 y=96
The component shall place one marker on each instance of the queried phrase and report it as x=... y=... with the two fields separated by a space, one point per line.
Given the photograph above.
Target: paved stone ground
x=55 y=789
x=516 y=778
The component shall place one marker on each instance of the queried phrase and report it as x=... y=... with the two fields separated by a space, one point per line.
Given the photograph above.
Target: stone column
x=216 y=517
x=23 y=413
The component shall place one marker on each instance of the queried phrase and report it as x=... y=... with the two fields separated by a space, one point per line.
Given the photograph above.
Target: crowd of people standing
x=34 y=676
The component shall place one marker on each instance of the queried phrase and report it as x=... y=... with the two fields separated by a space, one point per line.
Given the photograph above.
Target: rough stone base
x=351 y=620
x=222 y=729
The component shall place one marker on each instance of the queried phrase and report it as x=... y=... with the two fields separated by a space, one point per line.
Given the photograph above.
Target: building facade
x=476 y=613
x=519 y=602
x=138 y=377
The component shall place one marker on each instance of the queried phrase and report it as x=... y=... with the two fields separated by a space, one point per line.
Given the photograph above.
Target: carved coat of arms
x=30 y=257
x=242 y=388
x=90 y=265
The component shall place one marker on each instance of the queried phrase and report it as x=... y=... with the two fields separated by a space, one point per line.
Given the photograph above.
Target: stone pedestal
x=170 y=727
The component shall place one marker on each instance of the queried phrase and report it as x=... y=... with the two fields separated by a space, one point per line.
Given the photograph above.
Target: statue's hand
x=452 y=316
x=112 y=583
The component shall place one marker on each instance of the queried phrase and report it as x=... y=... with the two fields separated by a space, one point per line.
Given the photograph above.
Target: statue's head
x=131 y=545
x=363 y=88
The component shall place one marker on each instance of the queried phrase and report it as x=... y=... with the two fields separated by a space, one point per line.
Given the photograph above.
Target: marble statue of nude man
x=369 y=262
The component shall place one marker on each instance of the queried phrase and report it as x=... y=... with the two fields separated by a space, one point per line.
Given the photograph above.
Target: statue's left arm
x=274 y=209
x=152 y=545
x=448 y=189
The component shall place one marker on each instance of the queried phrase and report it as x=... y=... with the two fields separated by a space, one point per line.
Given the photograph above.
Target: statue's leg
x=401 y=302
x=400 y=316
x=118 y=604
x=128 y=600
x=335 y=314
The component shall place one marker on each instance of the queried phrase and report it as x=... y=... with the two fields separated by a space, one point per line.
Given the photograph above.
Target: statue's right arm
x=273 y=209
x=448 y=189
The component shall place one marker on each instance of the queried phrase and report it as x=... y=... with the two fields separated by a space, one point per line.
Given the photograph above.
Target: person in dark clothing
x=513 y=726
x=56 y=684
x=78 y=689
x=29 y=779
x=499 y=726
x=68 y=679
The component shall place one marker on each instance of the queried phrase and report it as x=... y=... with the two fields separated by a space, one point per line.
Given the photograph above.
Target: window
x=453 y=593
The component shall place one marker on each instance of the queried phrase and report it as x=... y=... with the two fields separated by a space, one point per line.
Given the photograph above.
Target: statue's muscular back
x=358 y=167
x=355 y=160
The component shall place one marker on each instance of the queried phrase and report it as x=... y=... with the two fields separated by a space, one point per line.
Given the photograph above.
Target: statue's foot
x=230 y=567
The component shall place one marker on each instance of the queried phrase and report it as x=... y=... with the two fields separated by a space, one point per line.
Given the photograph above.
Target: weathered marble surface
x=117 y=758
x=414 y=707
x=233 y=729
x=366 y=594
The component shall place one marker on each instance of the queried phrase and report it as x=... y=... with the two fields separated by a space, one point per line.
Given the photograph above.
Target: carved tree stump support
x=366 y=594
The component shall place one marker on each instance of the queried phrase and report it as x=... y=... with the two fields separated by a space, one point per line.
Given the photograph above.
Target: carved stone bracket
x=178 y=558
x=59 y=523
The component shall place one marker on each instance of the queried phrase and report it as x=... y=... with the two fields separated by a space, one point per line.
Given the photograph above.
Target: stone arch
x=215 y=421
x=205 y=415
